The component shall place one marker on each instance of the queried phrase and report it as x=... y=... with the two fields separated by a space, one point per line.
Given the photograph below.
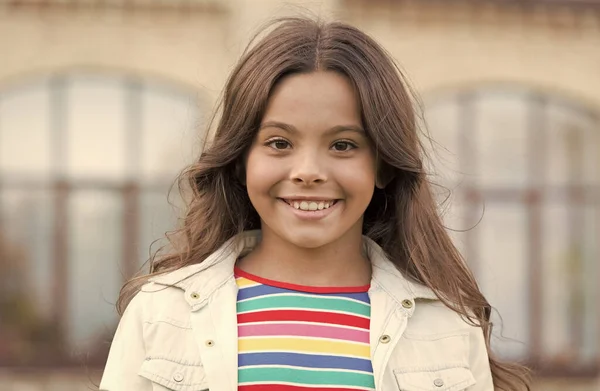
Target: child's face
x=311 y=153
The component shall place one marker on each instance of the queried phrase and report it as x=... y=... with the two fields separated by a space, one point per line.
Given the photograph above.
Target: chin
x=310 y=242
x=309 y=238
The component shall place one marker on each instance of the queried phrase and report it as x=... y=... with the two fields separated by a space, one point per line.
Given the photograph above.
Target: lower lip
x=312 y=214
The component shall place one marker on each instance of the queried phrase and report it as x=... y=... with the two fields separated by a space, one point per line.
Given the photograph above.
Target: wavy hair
x=403 y=218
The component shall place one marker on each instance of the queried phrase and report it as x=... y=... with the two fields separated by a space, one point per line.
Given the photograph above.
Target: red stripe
x=304 y=316
x=283 y=387
x=301 y=288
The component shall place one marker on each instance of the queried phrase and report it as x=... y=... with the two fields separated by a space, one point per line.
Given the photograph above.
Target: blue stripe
x=261 y=290
x=304 y=360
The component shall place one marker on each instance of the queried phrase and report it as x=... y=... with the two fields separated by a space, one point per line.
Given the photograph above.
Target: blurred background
x=103 y=102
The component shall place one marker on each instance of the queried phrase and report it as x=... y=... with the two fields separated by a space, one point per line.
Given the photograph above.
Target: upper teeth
x=311 y=205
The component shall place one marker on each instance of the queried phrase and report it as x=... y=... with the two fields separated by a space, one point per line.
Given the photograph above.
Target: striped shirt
x=295 y=338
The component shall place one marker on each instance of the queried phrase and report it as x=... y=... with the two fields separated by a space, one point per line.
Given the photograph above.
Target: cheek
x=261 y=174
x=358 y=178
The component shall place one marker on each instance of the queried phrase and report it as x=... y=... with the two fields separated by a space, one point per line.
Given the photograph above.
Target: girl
x=313 y=255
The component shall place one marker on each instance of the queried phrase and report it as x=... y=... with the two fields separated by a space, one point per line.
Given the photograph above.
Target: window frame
x=531 y=197
x=61 y=187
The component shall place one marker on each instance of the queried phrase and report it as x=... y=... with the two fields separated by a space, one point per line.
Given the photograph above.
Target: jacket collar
x=206 y=277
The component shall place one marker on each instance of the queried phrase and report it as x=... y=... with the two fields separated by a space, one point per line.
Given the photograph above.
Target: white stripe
x=249 y=337
x=305 y=295
x=257 y=383
x=303 y=309
x=309 y=368
x=286 y=322
x=241 y=288
x=248 y=351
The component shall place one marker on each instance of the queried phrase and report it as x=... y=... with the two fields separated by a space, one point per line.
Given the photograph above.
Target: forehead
x=320 y=99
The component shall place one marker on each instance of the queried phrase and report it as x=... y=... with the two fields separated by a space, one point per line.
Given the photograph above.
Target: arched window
x=86 y=162
x=524 y=170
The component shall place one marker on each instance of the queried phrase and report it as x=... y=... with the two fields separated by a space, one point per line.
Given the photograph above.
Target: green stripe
x=301 y=301
x=305 y=376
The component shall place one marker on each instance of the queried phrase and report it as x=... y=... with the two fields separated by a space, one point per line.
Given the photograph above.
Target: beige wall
x=191 y=51
x=196 y=48
x=553 y=51
x=452 y=47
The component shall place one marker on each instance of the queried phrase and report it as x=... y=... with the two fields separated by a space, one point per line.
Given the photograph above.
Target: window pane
x=26 y=323
x=457 y=222
x=589 y=281
x=442 y=118
x=95 y=252
x=25 y=132
x=503 y=272
x=442 y=121
x=591 y=150
x=158 y=217
x=96 y=128
x=558 y=258
x=501 y=123
x=569 y=276
x=169 y=121
x=566 y=145
x=26 y=222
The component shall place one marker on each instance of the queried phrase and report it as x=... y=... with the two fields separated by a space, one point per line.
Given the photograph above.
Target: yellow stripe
x=304 y=345
x=245 y=283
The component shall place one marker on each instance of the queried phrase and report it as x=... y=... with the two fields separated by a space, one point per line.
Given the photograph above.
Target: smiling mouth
x=310 y=205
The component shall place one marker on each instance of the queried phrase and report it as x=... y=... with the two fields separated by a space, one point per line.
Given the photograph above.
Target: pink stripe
x=303 y=330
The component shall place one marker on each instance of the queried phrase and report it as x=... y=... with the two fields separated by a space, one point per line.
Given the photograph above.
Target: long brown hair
x=402 y=218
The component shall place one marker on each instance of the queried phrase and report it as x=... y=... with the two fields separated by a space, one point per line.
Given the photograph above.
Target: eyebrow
x=292 y=129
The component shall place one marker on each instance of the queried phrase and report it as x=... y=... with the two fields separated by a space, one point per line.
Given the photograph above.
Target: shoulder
x=179 y=278
x=440 y=344
x=439 y=324
x=180 y=290
x=434 y=317
x=155 y=301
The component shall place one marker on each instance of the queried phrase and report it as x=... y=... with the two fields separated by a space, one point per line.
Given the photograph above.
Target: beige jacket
x=180 y=332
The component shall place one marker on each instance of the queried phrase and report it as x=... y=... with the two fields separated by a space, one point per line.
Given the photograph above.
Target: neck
x=340 y=263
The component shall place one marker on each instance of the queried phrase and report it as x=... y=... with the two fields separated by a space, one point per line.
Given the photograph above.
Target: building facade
x=103 y=102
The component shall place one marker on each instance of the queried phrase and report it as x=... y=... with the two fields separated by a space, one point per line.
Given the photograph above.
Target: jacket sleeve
x=127 y=352
x=479 y=362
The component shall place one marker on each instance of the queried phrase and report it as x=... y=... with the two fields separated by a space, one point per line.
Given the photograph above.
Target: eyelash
x=347 y=142
x=352 y=145
x=271 y=142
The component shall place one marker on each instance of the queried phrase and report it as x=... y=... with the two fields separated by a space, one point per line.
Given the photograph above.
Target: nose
x=308 y=169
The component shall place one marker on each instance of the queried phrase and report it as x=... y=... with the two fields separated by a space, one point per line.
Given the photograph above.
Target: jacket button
x=438 y=382
x=384 y=338
x=178 y=377
x=407 y=304
x=195 y=295
x=210 y=343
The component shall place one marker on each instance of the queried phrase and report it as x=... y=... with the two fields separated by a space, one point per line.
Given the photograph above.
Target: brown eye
x=278 y=144
x=343 y=146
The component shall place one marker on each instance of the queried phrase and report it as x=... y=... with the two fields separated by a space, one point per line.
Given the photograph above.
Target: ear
x=385 y=174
